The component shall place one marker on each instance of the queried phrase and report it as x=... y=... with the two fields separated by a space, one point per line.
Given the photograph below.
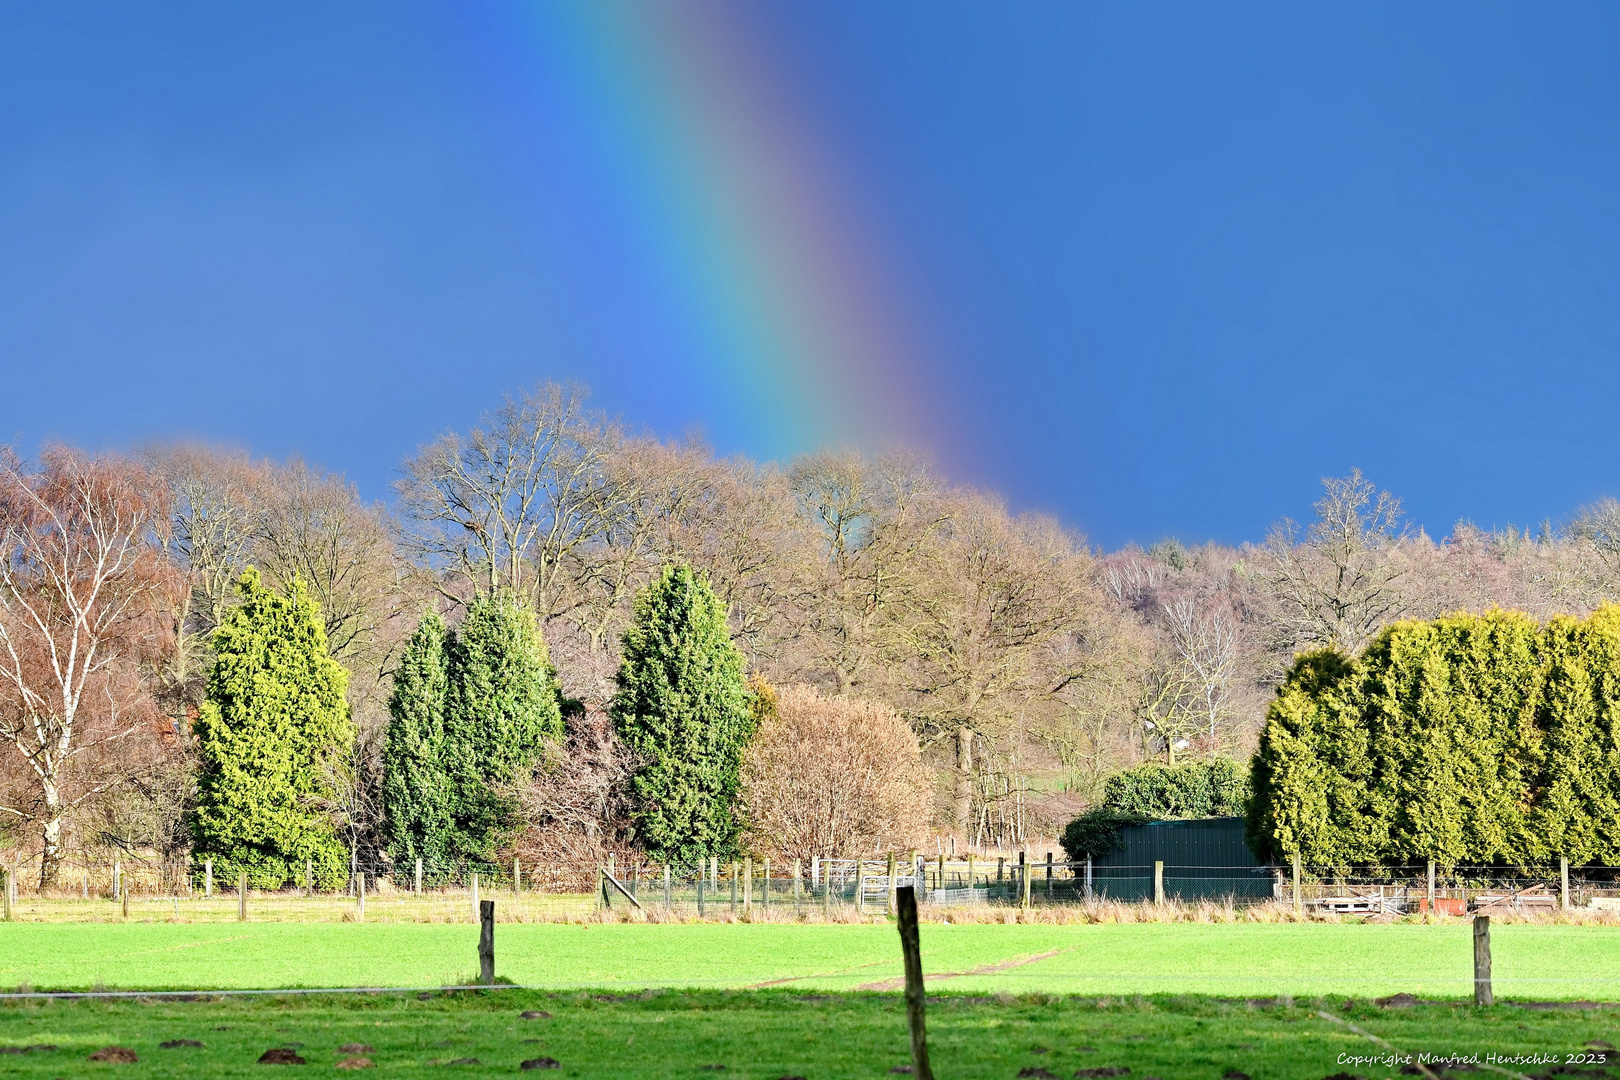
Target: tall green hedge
x=1470 y=739
x=276 y=711
x=1216 y=787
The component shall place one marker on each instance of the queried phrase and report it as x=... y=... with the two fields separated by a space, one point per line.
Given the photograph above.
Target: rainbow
x=735 y=209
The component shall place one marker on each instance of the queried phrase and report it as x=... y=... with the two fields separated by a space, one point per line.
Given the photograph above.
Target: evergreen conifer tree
x=500 y=708
x=416 y=792
x=275 y=711
x=683 y=707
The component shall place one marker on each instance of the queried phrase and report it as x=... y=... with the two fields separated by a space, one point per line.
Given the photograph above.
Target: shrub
x=832 y=776
x=1217 y=787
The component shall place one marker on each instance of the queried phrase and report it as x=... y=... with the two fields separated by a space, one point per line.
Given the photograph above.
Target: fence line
x=867 y=884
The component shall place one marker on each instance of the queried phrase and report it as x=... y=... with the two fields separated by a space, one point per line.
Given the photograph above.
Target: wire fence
x=716 y=888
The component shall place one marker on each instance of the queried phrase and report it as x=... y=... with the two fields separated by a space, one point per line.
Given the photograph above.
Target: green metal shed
x=1204 y=859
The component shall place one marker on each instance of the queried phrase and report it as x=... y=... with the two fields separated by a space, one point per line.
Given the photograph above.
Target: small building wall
x=1204 y=859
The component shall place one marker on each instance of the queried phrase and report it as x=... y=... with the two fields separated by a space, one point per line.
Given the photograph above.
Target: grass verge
x=764 y=1035
x=1532 y=962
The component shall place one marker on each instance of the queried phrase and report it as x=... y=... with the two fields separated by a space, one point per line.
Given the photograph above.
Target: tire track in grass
x=983 y=969
x=190 y=945
x=821 y=975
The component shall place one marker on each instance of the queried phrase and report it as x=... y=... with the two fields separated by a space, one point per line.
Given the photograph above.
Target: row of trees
x=476 y=709
x=1026 y=666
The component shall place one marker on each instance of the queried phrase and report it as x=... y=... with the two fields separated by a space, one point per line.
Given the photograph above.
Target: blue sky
x=1153 y=268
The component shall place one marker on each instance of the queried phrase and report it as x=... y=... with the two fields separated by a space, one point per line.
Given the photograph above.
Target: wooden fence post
x=486 y=943
x=1563 y=882
x=1158 y=881
x=601 y=889
x=126 y=898
x=703 y=875
x=1088 y=877
x=475 y=894
x=418 y=877
x=1049 y=875
x=1298 y=903
x=360 y=897
x=1482 y=961
x=208 y=877
x=5 y=881
x=798 y=883
x=889 y=904
x=309 y=876
x=118 y=880
x=765 y=885
x=517 y=875
x=241 y=896
x=970 y=875
x=748 y=884
x=1432 y=911
x=860 y=887
x=916 y=999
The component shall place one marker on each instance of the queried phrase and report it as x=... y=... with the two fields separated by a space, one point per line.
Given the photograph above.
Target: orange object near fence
x=1444 y=905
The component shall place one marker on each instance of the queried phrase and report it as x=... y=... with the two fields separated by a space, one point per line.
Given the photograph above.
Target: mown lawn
x=764 y=1035
x=1532 y=962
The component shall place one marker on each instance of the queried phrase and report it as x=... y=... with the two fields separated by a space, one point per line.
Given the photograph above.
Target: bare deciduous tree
x=82 y=590
x=1206 y=646
x=313 y=526
x=507 y=504
x=1339 y=582
x=967 y=639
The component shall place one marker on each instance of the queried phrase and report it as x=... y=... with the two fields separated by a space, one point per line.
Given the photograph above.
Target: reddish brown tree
x=83 y=591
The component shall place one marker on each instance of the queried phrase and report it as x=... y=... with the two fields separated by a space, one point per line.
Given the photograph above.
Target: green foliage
x=1470 y=739
x=275 y=713
x=1095 y=832
x=684 y=708
x=1217 y=787
x=501 y=706
x=416 y=792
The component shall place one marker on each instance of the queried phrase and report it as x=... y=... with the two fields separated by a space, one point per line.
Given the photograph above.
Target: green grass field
x=1532 y=962
x=771 y=1034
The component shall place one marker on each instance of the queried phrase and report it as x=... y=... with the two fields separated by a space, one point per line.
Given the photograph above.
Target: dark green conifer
x=683 y=707
x=501 y=707
x=416 y=792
